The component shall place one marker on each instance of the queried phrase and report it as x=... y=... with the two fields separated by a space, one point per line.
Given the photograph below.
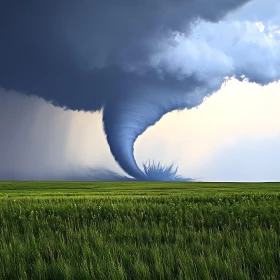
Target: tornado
x=125 y=120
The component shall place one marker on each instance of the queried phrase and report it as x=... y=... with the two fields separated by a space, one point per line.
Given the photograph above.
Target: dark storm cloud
x=50 y=48
x=85 y=55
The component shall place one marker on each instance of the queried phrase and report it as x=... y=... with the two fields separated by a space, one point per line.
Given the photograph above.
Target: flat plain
x=139 y=230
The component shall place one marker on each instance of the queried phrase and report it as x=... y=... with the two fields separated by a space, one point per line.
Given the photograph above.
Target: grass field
x=84 y=230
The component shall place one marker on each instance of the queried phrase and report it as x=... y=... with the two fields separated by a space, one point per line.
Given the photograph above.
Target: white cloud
x=216 y=50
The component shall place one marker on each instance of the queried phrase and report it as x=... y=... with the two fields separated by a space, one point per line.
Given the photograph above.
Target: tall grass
x=179 y=236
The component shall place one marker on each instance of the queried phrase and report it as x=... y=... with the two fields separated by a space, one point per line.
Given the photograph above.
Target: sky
x=221 y=140
x=226 y=131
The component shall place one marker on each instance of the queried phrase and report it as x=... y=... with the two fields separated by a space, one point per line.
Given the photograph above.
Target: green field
x=85 y=230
